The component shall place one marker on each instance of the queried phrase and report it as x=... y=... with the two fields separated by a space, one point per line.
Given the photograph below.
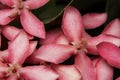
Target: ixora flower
x=59 y=46
x=30 y=23
x=12 y=59
x=73 y=40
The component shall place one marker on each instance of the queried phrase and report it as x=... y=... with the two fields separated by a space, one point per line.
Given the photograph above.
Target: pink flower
x=72 y=40
x=101 y=67
x=67 y=72
x=30 y=23
x=19 y=49
x=112 y=56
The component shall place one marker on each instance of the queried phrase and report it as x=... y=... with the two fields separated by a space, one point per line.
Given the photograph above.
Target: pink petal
x=10 y=32
x=34 y=4
x=95 y=60
x=4 y=55
x=86 y=35
x=6 y=16
x=61 y=40
x=92 y=42
x=104 y=71
x=67 y=72
x=72 y=24
x=32 y=24
x=32 y=47
x=58 y=51
x=113 y=28
x=0 y=39
x=3 y=70
x=32 y=59
x=18 y=47
x=118 y=78
x=110 y=52
x=85 y=66
x=12 y=77
x=37 y=73
x=2 y=6
x=51 y=36
x=94 y=20
x=9 y=3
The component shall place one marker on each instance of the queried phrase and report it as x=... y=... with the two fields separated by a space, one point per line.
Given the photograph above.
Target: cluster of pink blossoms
x=57 y=45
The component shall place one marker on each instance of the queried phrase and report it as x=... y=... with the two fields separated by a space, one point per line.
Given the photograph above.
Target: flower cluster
x=94 y=57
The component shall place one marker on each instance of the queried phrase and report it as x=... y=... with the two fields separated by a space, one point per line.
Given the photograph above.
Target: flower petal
x=72 y=24
x=85 y=66
x=113 y=28
x=103 y=67
x=110 y=52
x=94 y=20
x=67 y=72
x=34 y=4
x=3 y=70
x=4 y=55
x=10 y=32
x=37 y=73
x=0 y=39
x=6 y=16
x=18 y=47
x=32 y=47
x=61 y=39
x=9 y=3
x=51 y=36
x=32 y=59
x=12 y=77
x=118 y=78
x=92 y=42
x=32 y=24
x=86 y=35
x=58 y=51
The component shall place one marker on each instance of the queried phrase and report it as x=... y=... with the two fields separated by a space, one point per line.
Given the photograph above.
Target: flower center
x=13 y=70
x=80 y=45
x=18 y=7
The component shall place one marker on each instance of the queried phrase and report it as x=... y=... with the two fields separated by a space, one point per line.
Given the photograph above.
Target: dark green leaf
x=50 y=11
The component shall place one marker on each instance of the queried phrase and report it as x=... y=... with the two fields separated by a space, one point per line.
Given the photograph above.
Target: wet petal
x=109 y=52
x=58 y=51
x=32 y=24
x=34 y=4
x=72 y=24
x=18 y=47
x=67 y=72
x=94 y=20
x=85 y=66
x=37 y=73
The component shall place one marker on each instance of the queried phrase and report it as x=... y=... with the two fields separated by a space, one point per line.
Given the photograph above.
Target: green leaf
x=50 y=11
